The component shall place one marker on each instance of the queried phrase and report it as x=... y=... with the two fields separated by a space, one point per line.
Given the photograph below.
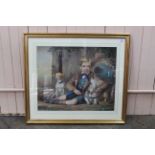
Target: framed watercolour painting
x=76 y=78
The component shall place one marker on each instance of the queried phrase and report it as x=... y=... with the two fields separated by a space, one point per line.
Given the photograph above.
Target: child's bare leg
x=71 y=102
x=68 y=102
x=62 y=97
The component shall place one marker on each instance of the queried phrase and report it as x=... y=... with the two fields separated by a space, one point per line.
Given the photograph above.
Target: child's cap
x=83 y=60
x=59 y=75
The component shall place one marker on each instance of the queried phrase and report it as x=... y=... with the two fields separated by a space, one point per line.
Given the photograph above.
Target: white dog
x=90 y=95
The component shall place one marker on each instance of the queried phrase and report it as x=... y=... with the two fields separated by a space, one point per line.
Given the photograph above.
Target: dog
x=90 y=95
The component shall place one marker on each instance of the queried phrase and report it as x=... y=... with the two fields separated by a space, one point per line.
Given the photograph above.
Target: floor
x=133 y=122
x=81 y=107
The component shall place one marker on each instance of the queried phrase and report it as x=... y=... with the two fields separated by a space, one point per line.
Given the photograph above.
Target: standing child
x=59 y=87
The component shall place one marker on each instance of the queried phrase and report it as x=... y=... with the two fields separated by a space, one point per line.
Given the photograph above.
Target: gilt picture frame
x=76 y=78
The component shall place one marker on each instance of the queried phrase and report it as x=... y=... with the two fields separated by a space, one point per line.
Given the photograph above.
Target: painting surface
x=76 y=78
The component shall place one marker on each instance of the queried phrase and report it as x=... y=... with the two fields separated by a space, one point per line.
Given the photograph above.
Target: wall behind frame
x=141 y=65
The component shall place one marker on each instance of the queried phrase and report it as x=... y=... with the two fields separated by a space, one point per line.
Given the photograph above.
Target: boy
x=59 y=87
